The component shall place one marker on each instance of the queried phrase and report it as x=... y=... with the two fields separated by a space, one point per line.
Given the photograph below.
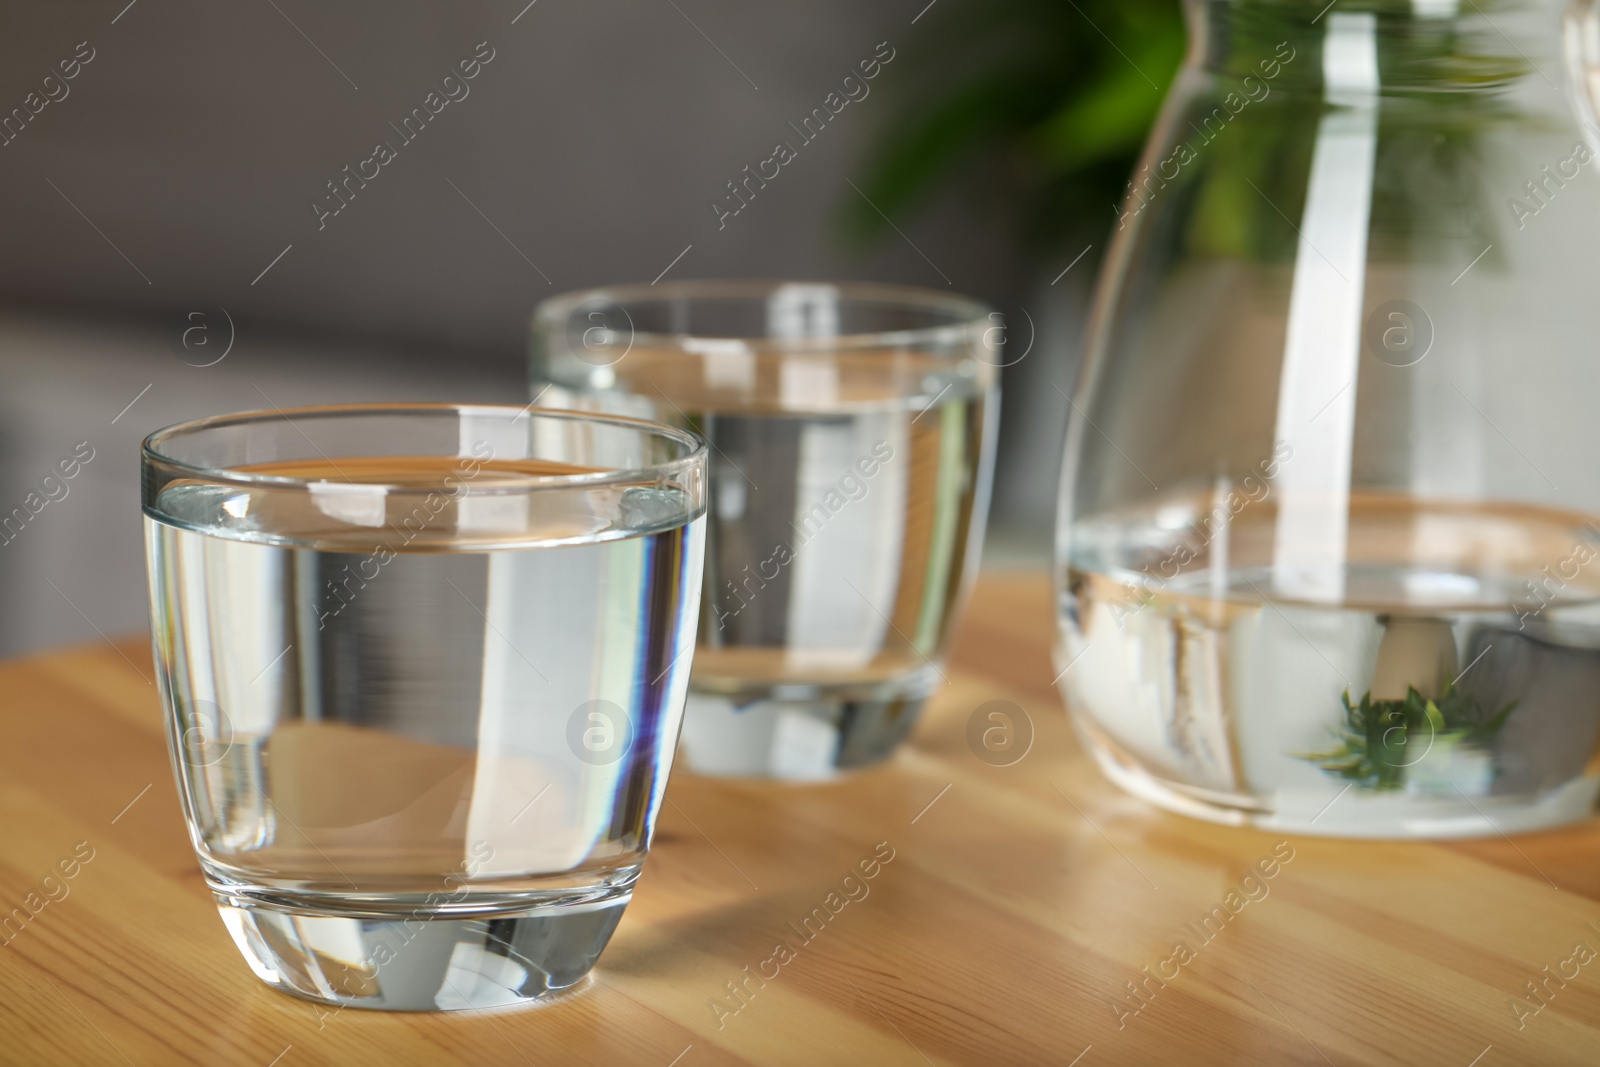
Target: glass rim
x=966 y=312
x=150 y=454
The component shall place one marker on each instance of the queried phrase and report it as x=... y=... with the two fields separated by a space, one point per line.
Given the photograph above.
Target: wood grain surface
x=1019 y=904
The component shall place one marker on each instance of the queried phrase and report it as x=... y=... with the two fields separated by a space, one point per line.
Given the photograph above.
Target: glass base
x=803 y=739
x=421 y=962
x=1335 y=811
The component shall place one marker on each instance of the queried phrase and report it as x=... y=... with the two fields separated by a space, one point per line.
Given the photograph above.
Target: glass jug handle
x=1580 y=49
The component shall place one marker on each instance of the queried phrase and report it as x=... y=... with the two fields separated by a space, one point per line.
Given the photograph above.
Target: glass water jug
x=1329 y=537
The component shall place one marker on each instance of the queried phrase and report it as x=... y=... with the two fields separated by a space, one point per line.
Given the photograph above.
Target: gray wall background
x=594 y=141
x=184 y=157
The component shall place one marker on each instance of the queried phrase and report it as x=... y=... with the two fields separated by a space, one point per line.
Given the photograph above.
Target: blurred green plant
x=1056 y=96
x=1378 y=737
x=1043 y=106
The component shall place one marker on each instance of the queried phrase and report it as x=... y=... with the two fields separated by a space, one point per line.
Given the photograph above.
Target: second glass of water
x=424 y=668
x=851 y=431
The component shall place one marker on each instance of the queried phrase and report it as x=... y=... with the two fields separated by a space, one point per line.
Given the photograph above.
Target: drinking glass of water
x=851 y=431
x=424 y=668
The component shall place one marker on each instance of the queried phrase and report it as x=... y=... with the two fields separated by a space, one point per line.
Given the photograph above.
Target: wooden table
x=1019 y=903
